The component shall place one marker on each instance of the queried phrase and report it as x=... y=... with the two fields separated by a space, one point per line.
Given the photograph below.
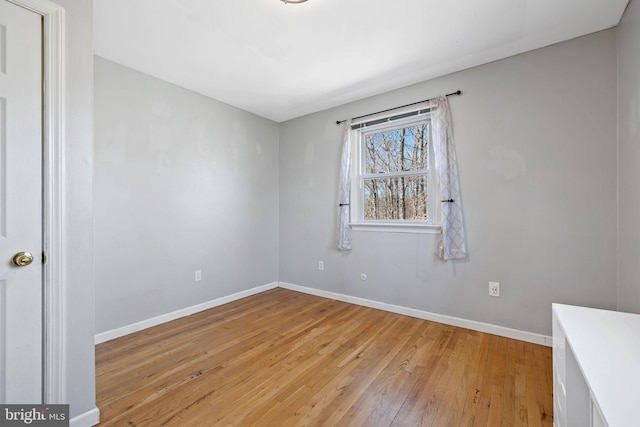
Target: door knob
x=22 y=259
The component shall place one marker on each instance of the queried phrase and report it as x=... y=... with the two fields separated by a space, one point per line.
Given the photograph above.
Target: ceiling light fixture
x=293 y=1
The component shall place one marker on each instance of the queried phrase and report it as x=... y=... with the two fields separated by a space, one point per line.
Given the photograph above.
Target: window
x=393 y=185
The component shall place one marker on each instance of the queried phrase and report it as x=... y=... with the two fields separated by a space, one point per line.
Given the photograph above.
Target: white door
x=20 y=205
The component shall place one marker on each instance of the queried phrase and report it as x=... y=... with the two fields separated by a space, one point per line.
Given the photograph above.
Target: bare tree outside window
x=395 y=173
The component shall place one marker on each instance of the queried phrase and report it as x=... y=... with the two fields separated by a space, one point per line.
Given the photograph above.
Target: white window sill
x=396 y=228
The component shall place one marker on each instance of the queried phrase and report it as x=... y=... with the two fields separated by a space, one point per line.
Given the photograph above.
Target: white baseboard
x=144 y=324
x=86 y=419
x=440 y=318
x=420 y=314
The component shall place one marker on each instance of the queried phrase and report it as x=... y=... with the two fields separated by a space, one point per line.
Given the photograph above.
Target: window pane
x=397 y=150
x=396 y=198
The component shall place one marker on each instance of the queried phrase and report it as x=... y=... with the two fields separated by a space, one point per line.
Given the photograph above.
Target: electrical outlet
x=320 y=265
x=198 y=275
x=494 y=289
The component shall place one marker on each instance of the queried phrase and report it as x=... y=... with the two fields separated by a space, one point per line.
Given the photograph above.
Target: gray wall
x=536 y=138
x=78 y=207
x=629 y=159
x=182 y=183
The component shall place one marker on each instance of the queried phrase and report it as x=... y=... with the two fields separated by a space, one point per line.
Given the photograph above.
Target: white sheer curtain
x=451 y=244
x=344 y=191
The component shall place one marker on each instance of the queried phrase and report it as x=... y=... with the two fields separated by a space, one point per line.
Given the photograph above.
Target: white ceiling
x=282 y=61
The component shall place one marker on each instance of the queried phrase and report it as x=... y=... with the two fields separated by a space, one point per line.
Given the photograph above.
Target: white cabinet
x=596 y=367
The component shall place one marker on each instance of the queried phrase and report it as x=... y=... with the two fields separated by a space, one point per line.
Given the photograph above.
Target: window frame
x=382 y=123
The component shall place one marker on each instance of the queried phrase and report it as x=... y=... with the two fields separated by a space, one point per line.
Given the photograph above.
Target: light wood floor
x=283 y=358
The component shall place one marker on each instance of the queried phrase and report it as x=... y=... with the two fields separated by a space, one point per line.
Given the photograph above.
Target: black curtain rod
x=459 y=92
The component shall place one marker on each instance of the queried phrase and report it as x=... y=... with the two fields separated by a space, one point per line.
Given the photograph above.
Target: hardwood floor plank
x=508 y=390
x=283 y=358
x=380 y=402
x=477 y=399
x=374 y=362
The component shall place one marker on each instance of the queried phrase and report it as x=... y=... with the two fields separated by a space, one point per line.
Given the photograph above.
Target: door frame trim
x=54 y=337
